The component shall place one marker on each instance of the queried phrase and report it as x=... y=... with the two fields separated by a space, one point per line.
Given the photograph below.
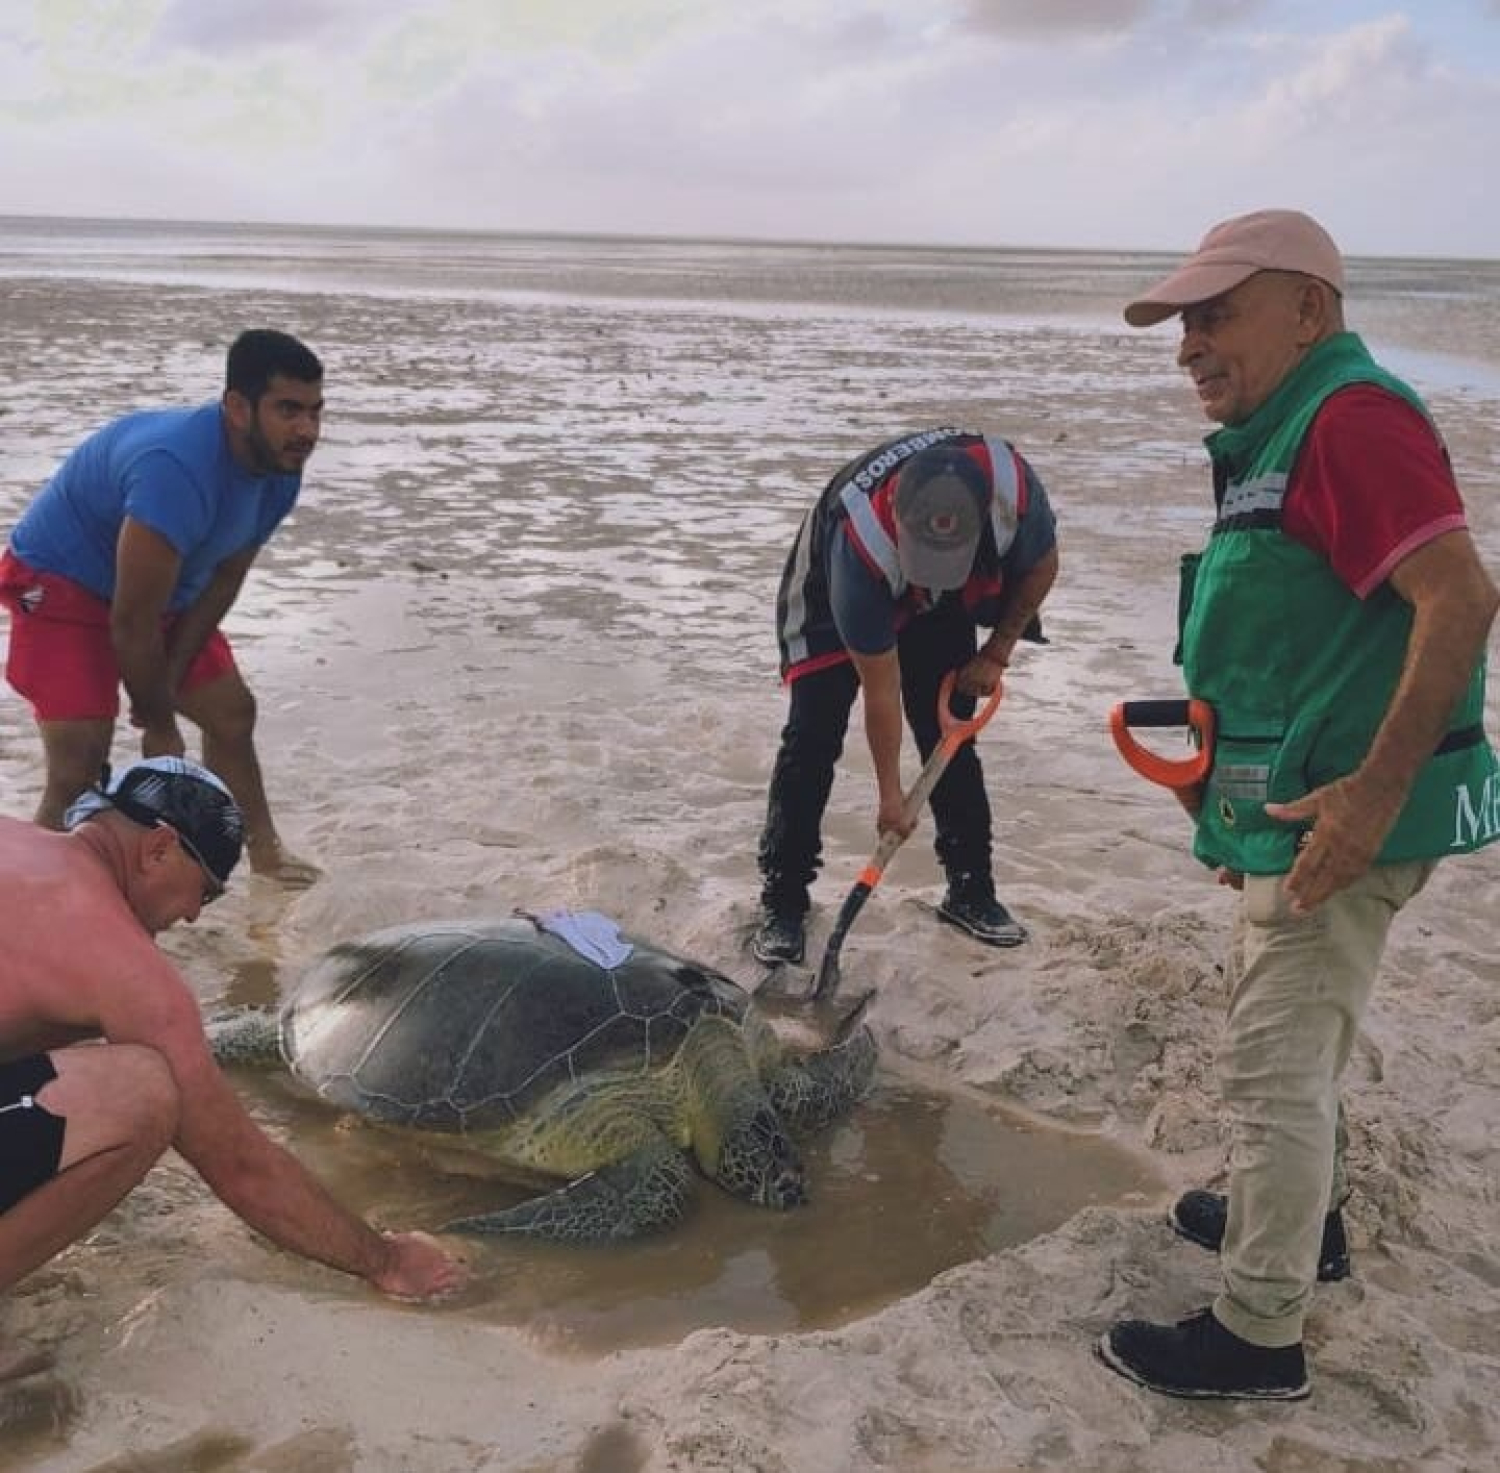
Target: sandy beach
x=515 y=649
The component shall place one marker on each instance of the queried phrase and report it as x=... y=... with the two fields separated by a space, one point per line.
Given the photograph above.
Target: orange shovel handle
x=1181 y=772
x=955 y=732
x=956 y=729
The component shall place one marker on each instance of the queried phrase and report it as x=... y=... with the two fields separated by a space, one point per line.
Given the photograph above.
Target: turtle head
x=758 y=1161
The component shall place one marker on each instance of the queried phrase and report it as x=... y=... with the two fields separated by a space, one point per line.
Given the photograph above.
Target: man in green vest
x=1336 y=621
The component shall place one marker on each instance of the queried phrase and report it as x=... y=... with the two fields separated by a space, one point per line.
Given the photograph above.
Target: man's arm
x=1019 y=602
x=864 y=614
x=261 y=1182
x=146 y=570
x=1454 y=603
x=880 y=687
x=201 y=617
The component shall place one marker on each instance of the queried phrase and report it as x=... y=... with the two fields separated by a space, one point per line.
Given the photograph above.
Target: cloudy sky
x=1126 y=123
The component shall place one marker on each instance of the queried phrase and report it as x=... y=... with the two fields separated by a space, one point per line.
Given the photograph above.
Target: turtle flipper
x=809 y=1092
x=640 y=1194
x=245 y=1036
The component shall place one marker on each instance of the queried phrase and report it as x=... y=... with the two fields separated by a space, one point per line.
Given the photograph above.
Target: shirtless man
x=82 y=1124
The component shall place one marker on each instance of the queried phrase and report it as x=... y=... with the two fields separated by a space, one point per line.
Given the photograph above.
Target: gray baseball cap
x=942 y=498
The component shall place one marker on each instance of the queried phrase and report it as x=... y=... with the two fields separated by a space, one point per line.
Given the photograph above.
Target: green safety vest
x=1298 y=670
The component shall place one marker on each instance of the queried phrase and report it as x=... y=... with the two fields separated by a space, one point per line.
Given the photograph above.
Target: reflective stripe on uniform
x=1259 y=494
x=1005 y=505
x=876 y=543
x=794 y=617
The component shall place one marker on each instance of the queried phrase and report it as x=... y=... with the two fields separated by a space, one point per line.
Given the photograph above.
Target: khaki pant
x=1298 y=987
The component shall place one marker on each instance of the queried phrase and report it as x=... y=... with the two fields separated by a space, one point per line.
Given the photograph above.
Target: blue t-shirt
x=169 y=469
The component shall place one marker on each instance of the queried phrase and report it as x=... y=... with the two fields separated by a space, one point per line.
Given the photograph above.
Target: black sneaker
x=1201 y=1217
x=781 y=936
x=1199 y=1358
x=972 y=907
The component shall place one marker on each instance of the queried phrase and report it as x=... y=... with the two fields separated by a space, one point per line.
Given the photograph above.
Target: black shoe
x=1201 y=1217
x=1198 y=1357
x=971 y=906
x=780 y=937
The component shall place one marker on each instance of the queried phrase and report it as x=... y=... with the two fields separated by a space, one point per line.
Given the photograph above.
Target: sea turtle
x=560 y=1068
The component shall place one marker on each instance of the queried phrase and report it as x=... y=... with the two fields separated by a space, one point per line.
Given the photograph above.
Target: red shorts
x=61 y=656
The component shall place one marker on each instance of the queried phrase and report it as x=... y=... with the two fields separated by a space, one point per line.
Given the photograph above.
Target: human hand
x=981 y=675
x=418 y=1267
x=1346 y=821
x=163 y=741
x=892 y=818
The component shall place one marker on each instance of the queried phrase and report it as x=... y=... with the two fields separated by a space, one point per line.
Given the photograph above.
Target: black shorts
x=31 y=1138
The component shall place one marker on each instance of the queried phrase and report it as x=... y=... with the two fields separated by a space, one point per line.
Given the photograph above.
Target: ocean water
x=1451 y=303
x=652 y=416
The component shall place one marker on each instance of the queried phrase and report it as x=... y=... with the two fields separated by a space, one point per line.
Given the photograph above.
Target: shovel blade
x=786 y=986
x=826 y=985
x=786 y=997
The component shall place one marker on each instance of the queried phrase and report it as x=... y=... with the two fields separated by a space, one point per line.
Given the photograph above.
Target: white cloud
x=1363 y=77
x=877 y=119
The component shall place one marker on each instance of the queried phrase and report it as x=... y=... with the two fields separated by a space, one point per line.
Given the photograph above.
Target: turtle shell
x=464 y=1026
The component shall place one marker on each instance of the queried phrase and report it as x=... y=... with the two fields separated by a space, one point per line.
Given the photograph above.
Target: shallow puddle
x=912 y=1183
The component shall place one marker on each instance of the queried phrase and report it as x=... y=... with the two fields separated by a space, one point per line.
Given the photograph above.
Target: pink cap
x=1232 y=252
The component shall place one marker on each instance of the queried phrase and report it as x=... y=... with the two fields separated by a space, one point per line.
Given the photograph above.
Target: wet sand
x=515 y=649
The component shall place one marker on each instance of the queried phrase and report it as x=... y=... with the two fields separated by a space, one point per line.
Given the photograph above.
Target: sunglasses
x=213 y=886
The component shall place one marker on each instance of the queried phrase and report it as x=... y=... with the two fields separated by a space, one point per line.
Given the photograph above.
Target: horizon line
x=653 y=238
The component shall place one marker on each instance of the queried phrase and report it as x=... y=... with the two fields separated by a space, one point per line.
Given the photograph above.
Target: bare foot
x=18 y=1359
x=275 y=863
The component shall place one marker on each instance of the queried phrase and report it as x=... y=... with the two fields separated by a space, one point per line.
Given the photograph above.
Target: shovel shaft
x=828 y=971
x=916 y=800
x=869 y=877
x=955 y=732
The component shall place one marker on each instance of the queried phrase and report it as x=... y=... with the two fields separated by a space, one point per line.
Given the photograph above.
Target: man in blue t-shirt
x=122 y=568
x=908 y=549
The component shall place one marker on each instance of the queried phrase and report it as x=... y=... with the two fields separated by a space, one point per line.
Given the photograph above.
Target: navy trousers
x=812 y=741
